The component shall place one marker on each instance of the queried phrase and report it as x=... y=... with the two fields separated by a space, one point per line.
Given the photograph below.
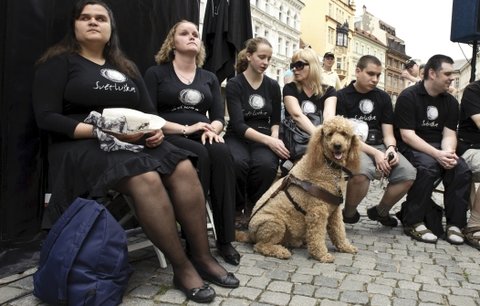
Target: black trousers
x=456 y=182
x=217 y=176
x=256 y=167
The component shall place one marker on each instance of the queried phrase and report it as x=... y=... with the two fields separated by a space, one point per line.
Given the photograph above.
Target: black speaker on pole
x=465 y=21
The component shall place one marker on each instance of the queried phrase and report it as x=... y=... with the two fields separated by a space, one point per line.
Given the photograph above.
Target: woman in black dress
x=87 y=72
x=184 y=94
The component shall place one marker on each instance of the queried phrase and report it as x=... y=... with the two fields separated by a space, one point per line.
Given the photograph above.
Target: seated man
x=469 y=148
x=362 y=100
x=427 y=116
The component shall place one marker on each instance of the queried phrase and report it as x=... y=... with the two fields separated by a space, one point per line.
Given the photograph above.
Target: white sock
x=455 y=237
x=426 y=236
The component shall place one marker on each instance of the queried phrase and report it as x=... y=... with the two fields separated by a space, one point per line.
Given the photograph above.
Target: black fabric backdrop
x=27 y=29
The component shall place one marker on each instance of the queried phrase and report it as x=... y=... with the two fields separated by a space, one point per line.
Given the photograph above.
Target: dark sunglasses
x=299 y=65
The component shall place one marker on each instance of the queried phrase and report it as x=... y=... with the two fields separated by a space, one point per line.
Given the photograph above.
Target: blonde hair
x=251 y=46
x=314 y=77
x=167 y=51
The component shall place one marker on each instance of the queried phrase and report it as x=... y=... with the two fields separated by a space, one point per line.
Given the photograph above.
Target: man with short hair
x=329 y=75
x=379 y=157
x=427 y=117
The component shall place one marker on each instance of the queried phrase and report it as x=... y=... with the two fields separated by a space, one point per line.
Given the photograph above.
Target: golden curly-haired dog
x=301 y=207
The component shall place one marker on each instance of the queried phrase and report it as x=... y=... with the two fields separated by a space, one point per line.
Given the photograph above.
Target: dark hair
x=251 y=47
x=112 y=52
x=435 y=63
x=367 y=59
x=409 y=64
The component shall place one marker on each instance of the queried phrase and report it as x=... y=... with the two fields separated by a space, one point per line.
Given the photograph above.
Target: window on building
x=266 y=34
x=256 y=31
x=331 y=36
x=267 y=6
x=339 y=62
x=287 y=47
x=279 y=73
x=280 y=12
x=294 y=48
x=288 y=18
x=295 y=21
x=279 y=45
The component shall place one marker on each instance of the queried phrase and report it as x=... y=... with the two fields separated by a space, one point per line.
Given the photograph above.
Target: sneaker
x=351 y=220
x=387 y=220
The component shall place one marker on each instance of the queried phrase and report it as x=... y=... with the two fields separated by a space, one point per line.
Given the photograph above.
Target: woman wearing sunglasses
x=306 y=94
x=254 y=105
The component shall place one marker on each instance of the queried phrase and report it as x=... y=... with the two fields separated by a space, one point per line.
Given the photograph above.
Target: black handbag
x=296 y=139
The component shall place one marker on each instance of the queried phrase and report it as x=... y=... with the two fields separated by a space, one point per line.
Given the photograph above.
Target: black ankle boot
x=228 y=253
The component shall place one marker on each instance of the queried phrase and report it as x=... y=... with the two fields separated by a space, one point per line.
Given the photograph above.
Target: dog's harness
x=314 y=190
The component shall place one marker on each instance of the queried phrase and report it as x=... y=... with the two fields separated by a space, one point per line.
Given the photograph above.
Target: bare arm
x=302 y=121
x=329 y=108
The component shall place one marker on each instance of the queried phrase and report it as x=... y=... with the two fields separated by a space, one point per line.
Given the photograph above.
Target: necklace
x=184 y=78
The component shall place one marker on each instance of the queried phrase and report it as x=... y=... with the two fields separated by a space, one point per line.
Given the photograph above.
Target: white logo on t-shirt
x=190 y=96
x=366 y=106
x=113 y=75
x=308 y=107
x=432 y=112
x=256 y=101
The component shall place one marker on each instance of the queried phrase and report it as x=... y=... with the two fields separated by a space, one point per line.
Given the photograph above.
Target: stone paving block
x=409 y=285
x=405 y=293
x=328 y=293
x=332 y=303
x=380 y=300
x=436 y=289
x=354 y=297
x=386 y=282
x=424 y=279
x=348 y=270
x=236 y=302
x=301 y=278
x=455 y=300
x=358 y=278
x=380 y=289
x=278 y=274
x=280 y=286
x=397 y=276
x=246 y=293
x=259 y=282
x=303 y=301
x=27 y=300
x=323 y=281
x=144 y=291
x=8 y=293
x=364 y=264
x=369 y=272
x=275 y=298
x=170 y=296
x=252 y=271
x=466 y=292
x=303 y=289
x=352 y=285
x=24 y=283
x=427 y=297
x=137 y=302
x=404 y=302
x=459 y=277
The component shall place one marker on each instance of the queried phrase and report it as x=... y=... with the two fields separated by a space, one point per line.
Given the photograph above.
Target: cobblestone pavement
x=389 y=269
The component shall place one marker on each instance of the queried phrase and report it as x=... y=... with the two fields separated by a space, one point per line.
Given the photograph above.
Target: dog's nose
x=337 y=146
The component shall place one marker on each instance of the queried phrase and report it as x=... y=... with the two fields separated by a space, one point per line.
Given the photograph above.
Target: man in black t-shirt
x=427 y=116
x=469 y=149
x=379 y=157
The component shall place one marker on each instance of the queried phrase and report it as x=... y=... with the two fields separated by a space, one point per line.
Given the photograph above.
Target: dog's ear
x=315 y=146
x=353 y=158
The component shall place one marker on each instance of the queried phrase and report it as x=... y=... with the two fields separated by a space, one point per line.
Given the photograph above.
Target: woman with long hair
x=87 y=72
x=254 y=107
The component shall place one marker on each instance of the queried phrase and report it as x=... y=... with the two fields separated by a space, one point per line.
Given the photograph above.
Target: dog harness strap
x=283 y=185
x=337 y=166
x=295 y=204
x=317 y=191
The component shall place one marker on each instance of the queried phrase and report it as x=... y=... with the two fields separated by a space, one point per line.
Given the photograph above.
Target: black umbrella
x=226 y=26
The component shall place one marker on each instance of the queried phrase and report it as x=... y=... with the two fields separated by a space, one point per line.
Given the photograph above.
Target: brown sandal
x=470 y=239
x=418 y=235
x=450 y=232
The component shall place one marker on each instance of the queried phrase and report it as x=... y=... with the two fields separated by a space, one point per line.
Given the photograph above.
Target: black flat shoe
x=204 y=294
x=228 y=281
x=228 y=253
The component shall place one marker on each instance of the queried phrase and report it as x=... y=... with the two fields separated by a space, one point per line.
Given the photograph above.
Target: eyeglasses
x=299 y=65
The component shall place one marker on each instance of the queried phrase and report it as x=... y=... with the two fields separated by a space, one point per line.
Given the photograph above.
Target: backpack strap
x=86 y=213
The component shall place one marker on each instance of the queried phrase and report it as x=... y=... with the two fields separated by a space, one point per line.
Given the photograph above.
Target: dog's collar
x=334 y=165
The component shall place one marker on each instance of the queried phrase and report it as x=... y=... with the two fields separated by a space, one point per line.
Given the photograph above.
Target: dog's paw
x=348 y=249
x=275 y=250
x=325 y=258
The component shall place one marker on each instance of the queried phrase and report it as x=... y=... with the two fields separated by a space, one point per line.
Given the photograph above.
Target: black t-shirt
x=313 y=104
x=182 y=103
x=68 y=87
x=467 y=129
x=426 y=115
x=252 y=108
x=374 y=107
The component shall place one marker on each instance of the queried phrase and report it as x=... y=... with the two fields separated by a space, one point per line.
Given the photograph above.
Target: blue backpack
x=84 y=259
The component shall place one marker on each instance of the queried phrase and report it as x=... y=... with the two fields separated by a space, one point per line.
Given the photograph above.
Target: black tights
x=159 y=202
